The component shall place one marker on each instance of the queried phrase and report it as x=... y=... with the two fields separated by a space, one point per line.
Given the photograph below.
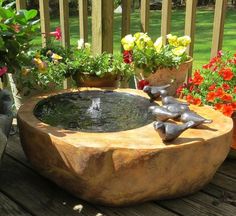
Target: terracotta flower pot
x=173 y=76
x=232 y=153
x=86 y=80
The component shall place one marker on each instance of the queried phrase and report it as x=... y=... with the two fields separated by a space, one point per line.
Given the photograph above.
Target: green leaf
x=5 y=14
x=10 y=5
x=1 y=43
x=30 y=14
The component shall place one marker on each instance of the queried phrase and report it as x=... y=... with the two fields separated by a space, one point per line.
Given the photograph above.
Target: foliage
x=214 y=84
x=16 y=31
x=97 y=65
x=149 y=56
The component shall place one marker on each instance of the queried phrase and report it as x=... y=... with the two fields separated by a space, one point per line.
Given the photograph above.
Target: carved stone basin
x=121 y=160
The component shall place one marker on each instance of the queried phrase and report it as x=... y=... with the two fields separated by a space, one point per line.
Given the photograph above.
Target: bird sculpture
x=162 y=114
x=170 y=131
x=177 y=107
x=171 y=100
x=154 y=92
x=196 y=118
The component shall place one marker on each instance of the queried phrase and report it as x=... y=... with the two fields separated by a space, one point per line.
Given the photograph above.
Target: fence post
x=102 y=26
x=83 y=19
x=190 y=20
x=165 y=19
x=126 y=11
x=218 y=27
x=145 y=7
x=20 y=4
x=45 y=21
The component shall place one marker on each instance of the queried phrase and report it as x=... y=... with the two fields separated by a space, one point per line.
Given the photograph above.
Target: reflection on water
x=94 y=111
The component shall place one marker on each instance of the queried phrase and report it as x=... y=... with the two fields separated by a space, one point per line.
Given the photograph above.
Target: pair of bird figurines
x=171 y=109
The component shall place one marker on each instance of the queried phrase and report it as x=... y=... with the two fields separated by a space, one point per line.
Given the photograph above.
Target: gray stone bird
x=171 y=100
x=177 y=108
x=170 y=131
x=162 y=114
x=192 y=116
x=154 y=92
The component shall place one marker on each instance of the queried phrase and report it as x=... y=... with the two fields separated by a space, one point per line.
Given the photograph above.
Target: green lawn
x=203 y=37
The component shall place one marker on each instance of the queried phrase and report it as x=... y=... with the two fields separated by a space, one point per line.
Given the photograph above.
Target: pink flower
x=57 y=33
x=3 y=70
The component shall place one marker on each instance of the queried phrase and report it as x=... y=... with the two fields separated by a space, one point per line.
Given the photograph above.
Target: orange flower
x=189 y=98
x=235 y=89
x=233 y=104
x=218 y=106
x=197 y=79
x=210 y=96
x=227 y=110
x=226 y=73
x=227 y=97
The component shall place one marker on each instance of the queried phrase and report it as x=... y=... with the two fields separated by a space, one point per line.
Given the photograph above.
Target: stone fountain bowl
x=119 y=167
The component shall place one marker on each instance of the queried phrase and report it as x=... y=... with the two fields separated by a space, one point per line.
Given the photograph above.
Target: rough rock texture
x=121 y=168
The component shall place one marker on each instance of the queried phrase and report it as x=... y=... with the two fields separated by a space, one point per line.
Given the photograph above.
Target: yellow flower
x=184 y=41
x=25 y=71
x=179 y=50
x=40 y=64
x=128 y=42
x=56 y=57
x=172 y=40
x=158 y=44
x=138 y=35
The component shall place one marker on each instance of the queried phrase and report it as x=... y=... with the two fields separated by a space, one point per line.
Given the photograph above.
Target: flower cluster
x=145 y=54
x=214 y=84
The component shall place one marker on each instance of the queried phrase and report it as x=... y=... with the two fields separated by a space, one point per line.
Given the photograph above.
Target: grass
x=203 y=36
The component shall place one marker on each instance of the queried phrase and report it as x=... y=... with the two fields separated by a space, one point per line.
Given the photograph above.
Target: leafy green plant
x=16 y=31
x=140 y=50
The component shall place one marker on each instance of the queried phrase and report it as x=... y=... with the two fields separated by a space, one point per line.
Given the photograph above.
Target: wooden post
x=126 y=11
x=45 y=21
x=145 y=6
x=190 y=20
x=83 y=19
x=64 y=22
x=218 y=27
x=20 y=4
x=102 y=26
x=166 y=18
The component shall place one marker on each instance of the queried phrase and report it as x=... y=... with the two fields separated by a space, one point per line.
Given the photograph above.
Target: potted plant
x=156 y=63
x=214 y=85
x=16 y=31
x=103 y=70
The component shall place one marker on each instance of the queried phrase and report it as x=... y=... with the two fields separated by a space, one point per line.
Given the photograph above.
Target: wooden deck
x=23 y=192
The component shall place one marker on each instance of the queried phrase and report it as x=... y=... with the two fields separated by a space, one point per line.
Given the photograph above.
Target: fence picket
x=145 y=15
x=166 y=19
x=20 y=4
x=83 y=19
x=218 y=27
x=45 y=21
x=126 y=12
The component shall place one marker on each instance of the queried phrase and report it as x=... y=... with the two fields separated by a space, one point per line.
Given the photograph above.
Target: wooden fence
x=102 y=21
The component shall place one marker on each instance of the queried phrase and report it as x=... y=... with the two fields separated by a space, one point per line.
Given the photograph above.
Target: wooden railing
x=102 y=21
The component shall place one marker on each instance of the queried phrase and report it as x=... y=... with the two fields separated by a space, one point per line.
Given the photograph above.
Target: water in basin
x=94 y=111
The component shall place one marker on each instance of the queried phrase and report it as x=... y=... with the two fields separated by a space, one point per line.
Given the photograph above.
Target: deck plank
x=10 y=208
x=207 y=202
x=15 y=153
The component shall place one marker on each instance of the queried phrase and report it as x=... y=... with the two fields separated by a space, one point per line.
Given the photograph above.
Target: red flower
x=127 y=56
x=212 y=87
x=3 y=70
x=189 y=98
x=235 y=89
x=226 y=86
x=219 y=92
x=197 y=101
x=218 y=106
x=226 y=73
x=227 y=97
x=210 y=96
x=197 y=79
x=142 y=83
x=227 y=110
x=220 y=53
x=233 y=104
x=57 y=33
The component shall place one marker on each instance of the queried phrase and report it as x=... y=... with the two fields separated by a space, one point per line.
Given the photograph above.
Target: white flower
x=128 y=42
x=81 y=43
